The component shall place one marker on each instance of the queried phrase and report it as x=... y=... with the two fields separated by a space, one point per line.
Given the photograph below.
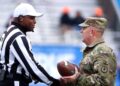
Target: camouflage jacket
x=98 y=66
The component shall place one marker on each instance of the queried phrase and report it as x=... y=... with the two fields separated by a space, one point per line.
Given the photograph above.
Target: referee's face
x=29 y=22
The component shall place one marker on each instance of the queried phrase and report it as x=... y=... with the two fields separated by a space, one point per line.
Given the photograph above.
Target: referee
x=17 y=64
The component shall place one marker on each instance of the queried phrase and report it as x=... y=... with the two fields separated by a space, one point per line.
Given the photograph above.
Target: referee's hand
x=56 y=82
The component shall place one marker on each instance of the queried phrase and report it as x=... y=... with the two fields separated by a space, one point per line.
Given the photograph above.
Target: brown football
x=66 y=68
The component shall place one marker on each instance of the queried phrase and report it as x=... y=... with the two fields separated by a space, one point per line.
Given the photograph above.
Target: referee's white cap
x=25 y=9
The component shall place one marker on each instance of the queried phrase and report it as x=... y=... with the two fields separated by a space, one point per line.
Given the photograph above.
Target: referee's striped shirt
x=16 y=54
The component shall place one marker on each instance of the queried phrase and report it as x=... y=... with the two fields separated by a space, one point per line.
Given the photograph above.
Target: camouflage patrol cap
x=98 y=22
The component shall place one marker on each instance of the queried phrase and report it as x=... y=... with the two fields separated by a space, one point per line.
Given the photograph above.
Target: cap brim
x=37 y=14
x=83 y=25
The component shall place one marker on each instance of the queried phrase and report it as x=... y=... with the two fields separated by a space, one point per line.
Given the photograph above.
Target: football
x=66 y=68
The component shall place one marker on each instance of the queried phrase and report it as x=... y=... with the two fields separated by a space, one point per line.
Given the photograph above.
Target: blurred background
x=57 y=36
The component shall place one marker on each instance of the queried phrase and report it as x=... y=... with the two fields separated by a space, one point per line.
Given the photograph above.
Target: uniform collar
x=89 y=48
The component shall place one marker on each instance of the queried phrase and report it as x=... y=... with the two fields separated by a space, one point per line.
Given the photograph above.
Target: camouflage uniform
x=98 y=66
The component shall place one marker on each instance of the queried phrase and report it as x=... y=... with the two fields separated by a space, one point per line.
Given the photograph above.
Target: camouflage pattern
x=98 y=22
x=98 y=67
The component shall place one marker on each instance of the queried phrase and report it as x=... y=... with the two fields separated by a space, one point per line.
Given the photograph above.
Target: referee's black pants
x=9 y=82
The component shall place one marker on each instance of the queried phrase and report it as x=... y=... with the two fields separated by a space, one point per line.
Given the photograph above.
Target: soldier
x=98 y=66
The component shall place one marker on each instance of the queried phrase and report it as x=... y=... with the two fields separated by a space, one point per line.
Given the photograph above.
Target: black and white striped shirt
x=16 y=54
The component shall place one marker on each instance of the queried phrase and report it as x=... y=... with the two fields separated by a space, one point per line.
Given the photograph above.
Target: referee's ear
x=20 y=18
